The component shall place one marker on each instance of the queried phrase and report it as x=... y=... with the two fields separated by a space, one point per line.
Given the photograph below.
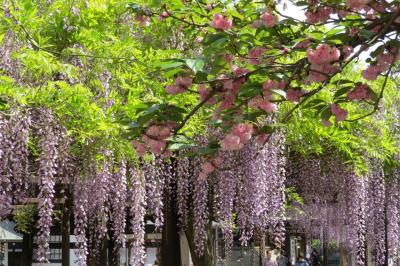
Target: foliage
x=25 y=217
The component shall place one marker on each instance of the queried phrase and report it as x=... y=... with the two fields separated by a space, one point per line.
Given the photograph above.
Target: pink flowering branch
x=376 y=103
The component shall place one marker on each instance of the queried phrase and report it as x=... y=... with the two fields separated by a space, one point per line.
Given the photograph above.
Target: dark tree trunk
x=27 y=250
x=170 y=243
x=207 y=259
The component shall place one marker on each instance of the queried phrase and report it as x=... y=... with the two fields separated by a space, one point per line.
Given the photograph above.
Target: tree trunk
x=207 y=259
x=170 y=242
x=27 y=249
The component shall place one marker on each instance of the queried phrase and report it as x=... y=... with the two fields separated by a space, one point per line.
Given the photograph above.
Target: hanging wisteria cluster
x=137 y=211
x=354 y=210
x=118 y=205
x=250 y=186
x=47 y=171
x=14 y=162
x=107 y=191
x=81 y=221
x=393 y=215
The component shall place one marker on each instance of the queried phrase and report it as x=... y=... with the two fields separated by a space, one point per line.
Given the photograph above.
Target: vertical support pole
x=27 y=249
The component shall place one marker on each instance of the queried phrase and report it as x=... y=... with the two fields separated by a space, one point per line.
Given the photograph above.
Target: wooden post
x=343 y=255
x=27 y=249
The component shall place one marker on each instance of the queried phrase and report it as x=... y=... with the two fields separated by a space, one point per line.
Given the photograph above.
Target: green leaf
x=314 y=103
x=134 y=7
x=195 y=65
x=180 y=146
x=316 y=35
x=326 y=113
x=280 y=92
x=366 y=34
x=342 y=91
x=169 y=64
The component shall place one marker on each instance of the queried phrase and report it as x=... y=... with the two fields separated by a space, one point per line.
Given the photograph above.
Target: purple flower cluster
x=118 y=205
x=47 y=170
x=81 y=221
x=200 y=199
x=155 y=182
x=5 y=179
x=183 y=190
x=137 y=211
x=393 y=215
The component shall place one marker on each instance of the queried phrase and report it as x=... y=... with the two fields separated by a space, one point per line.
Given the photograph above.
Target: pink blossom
x=202 y=176
x=218 y=161
x=174 y=89
x=281 y=84
x=255 y=55
x=244 y=131
x=229 y=58
x=385 y=59
x=221 y=22
x=321 y=15
x=153 y=130
x=157 y=146
x=294 y=95
x=303 y=44
x=184 y=82
x=371 y=73
x=361 y=92
x=254 y=102
x=326 y=122
x=231 y=142
x=228 y=84
x=240 y=71
x=347 y=51
x=198 y=39
x=208 y=167
x=163 y=15
x=339 y=113
x=343 y=13
x=256 y=24
x=203 y=92
x=171 y=124
x=267 y=106
x=164 y=132
x=357 y=4
x=236 y=84
x=167 y=154
x=270 y=84
x=269 y=19
x=312 y=17
x=323 y=54
x=228 y=100
x=354 y=32
x=139 y=147
x=319 y=73
x=143 y=20
x=262 y=138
